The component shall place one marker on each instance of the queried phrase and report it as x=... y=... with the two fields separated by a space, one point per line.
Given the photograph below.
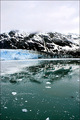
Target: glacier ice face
x=17 y=55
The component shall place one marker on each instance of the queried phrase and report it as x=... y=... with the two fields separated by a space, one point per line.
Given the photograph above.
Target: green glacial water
x=40 y=90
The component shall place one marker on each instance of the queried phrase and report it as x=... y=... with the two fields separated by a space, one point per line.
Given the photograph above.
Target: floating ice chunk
x=24 y=110
x=57 y=76
x=14 y=93
x=47 y=87
x=5 y=107
x=77 y=92
x=65 y=111
x=19 y=80
x=47 y=118
x=16 y=99
x=73 y=116
x=48 y=83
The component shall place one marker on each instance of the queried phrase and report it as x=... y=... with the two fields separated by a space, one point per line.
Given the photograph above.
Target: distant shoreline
x=54 y=59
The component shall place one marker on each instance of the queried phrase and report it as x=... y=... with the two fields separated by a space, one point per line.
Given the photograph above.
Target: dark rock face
x=52 y=44
x=60 y=42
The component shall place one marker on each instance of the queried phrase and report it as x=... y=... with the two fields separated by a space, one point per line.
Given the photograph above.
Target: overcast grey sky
x=43 y=16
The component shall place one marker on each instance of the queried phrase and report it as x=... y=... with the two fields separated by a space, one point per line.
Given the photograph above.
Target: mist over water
x=40 y=90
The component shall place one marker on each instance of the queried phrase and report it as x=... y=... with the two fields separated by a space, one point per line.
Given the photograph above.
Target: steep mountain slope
x=53 y=44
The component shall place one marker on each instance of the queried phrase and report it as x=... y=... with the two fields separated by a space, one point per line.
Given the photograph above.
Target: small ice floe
x=48 y=83
x=26 y=101
x=19 y=80
x=65 y=111
x=21 y=98
x=16 y=99
x=24 y=110
x=57 y=76
x=5 y=107
x=14 y=93
x=47 y=87
x=47 y=118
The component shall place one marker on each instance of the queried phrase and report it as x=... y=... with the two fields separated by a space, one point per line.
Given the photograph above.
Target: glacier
x=8 y=54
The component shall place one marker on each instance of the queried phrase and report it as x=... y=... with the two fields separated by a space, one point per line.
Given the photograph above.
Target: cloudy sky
x=43 y=16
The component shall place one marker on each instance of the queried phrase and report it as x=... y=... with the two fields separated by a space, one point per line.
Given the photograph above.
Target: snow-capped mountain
x=53 y=44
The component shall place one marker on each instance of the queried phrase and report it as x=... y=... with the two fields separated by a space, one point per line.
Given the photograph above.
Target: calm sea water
x=40 y=90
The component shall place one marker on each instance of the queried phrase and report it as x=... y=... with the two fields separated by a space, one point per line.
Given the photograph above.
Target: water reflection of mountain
x=45 y=71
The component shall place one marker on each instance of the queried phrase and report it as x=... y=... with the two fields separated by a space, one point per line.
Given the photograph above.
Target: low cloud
x=42 y=16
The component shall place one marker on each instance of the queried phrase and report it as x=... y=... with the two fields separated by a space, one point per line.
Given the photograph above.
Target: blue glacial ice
x=18 y=55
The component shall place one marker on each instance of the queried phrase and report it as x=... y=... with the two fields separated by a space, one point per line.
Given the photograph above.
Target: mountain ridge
x=52 y=44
